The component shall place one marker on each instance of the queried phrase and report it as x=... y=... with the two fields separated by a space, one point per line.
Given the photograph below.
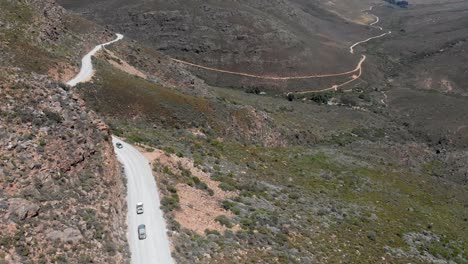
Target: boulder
x=22 y=208
x=68 y=235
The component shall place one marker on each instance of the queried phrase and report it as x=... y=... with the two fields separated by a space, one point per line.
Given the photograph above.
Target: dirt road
x=86 y=71
x=141 y=187
x=353 y=78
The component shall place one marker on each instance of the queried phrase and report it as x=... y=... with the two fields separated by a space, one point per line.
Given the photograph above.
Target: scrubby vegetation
x=356 y=176
x=321 y=201
x=58 y=202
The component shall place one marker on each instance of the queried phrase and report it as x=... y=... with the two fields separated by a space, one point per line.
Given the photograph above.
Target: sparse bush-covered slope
x=358 y=188
x=61 y=189
x=373 y=175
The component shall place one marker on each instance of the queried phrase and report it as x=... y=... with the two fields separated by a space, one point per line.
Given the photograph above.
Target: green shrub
x=148 y=149
x=372 y=235
x=57 y=118
x=210 y=191
x=42 y=143
x=115 y=130
x=227 y=187
x=227 y=205
x=224 y=220
x=236 y=211
x=167 y=171
x=172 y=189
x=174 y=225
x=246 y=194
x=170 y=202
x=294 y=196
x=136 y=138
x=447 y=249
x=247 y=223
x=186 y=173
x=5 y=241
x=212 y=232
x=321 y=98
x=194 y=181
x=169 y=150
x=228 y=183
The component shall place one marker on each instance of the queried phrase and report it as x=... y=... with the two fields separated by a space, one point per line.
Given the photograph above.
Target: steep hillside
x=240 y=173
x=270 y=38
x=424 y=70
x=61 y=189
x=429 y=45
x=373 y=174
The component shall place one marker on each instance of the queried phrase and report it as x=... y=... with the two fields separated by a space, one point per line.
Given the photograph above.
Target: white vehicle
x=139 y=208
x=141 y=232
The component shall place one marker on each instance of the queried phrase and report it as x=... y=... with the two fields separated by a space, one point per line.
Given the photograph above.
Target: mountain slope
x=241 y=172
x=260 y=37
x=61 y=189
x=374 y=174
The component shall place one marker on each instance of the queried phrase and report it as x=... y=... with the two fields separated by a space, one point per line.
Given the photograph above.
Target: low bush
x=171 y=189
x=212 y=232
x=170 y=202
x=227 y=187
x=321 y=98
x=224 y=220
x=227 y=205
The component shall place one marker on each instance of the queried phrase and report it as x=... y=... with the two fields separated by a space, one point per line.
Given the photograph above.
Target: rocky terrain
x=240 y=35
x=374 y=173
x=61 y=188
x=278 y=38
x=314 y=183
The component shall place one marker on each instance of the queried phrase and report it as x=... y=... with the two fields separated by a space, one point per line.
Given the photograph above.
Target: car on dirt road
x=141 y=232
x=119 y=145
x=139 y=208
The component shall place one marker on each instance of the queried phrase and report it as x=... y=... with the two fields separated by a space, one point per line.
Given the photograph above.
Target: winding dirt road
x=141 y=187
x=377 y=20
x=351 y=49
x=335 y=87
x=267 y=77
x=86 y=71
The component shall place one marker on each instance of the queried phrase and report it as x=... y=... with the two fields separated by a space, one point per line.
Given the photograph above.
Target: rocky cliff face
x=61 y=188
x=62 y=191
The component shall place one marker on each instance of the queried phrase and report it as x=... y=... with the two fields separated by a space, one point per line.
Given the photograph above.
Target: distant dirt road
x=351 y=49
x=267 y=76
x=354 y=77
x=336 y=86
